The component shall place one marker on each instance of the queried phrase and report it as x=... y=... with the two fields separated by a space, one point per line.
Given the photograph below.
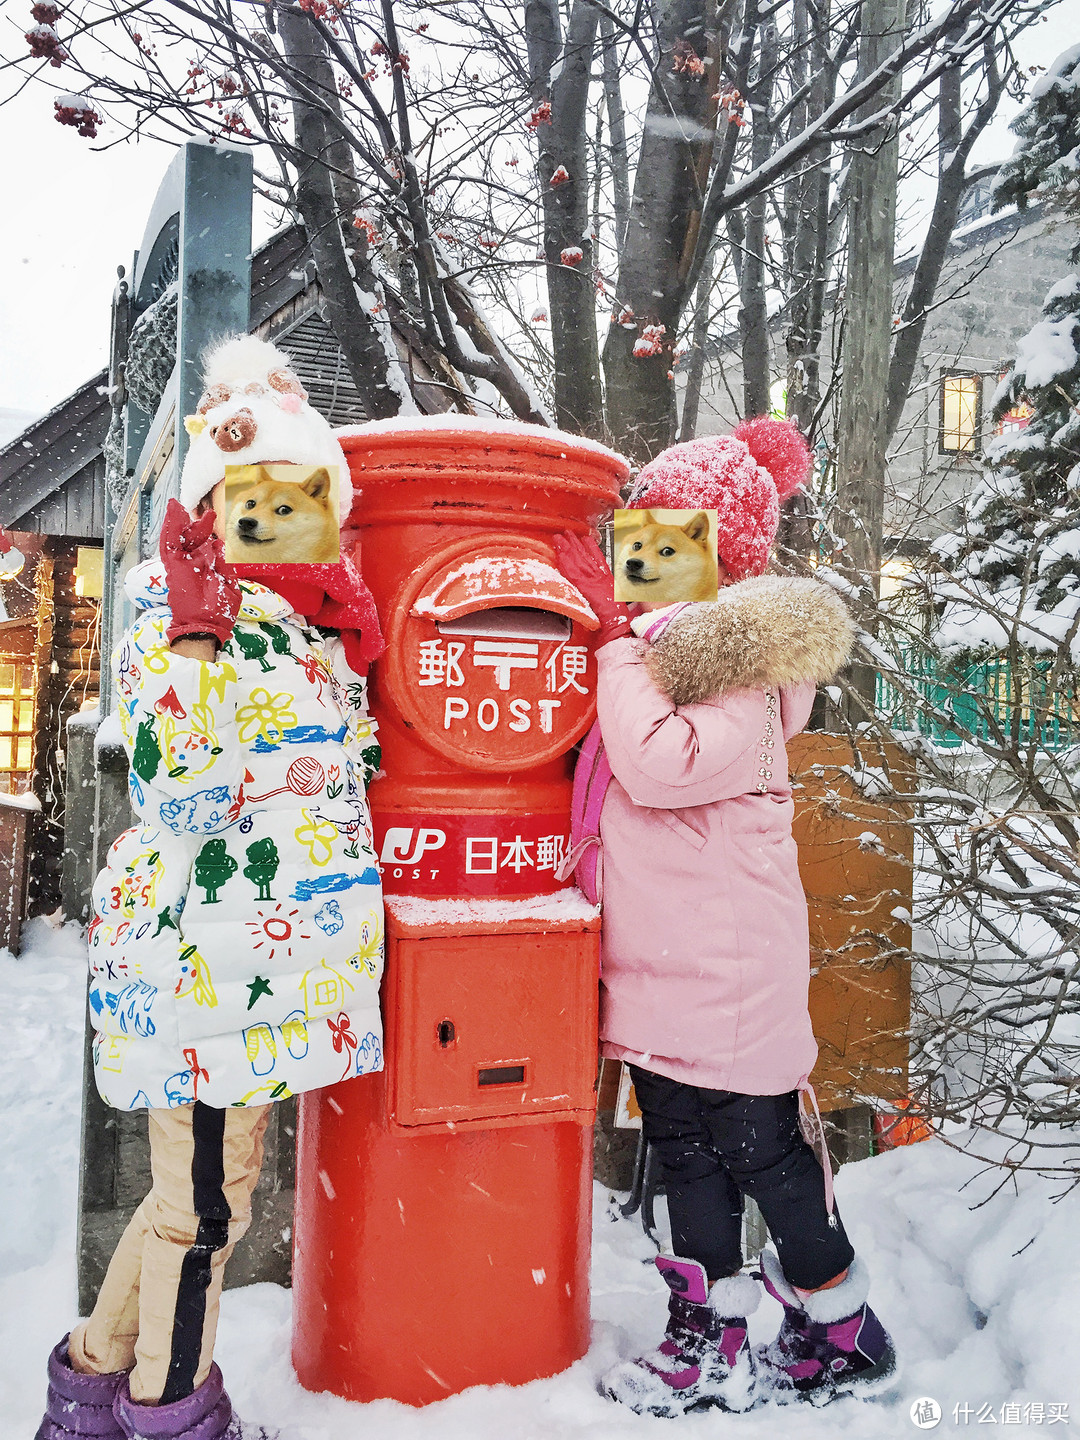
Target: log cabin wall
x=68 y=670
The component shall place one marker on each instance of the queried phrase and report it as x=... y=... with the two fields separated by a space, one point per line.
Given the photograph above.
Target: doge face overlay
x=281 y=514
x=665 y=557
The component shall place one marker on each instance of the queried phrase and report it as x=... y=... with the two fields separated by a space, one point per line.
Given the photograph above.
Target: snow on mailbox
x=442 y=1224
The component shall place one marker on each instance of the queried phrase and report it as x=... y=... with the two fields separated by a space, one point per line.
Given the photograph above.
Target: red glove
x=202 y=598
x=582 y=562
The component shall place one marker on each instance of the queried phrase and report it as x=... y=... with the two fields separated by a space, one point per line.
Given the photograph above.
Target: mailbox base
x=428 y=1263
x=443 y=1205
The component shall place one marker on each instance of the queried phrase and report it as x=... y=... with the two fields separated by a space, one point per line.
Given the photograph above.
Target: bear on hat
x=255 y=411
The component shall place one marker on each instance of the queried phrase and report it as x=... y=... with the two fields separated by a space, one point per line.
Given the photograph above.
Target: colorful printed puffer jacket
x=236 y=939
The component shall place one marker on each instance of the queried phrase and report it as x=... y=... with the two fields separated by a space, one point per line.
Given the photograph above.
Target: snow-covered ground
x=981 y=1299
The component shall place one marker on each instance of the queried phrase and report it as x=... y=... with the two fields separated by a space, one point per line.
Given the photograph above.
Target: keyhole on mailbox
x=445 y=1032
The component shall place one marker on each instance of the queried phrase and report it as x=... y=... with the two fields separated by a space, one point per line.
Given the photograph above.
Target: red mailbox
x=443 y=1206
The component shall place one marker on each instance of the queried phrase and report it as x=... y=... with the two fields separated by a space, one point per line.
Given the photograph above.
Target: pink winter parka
x=706 y=962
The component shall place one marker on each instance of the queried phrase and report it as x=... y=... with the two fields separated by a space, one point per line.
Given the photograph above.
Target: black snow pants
x=714 y=1147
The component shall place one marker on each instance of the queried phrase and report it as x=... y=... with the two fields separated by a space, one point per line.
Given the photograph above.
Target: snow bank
x=977 y=1288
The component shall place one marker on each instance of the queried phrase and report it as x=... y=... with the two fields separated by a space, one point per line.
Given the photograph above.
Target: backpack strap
x=592 y=776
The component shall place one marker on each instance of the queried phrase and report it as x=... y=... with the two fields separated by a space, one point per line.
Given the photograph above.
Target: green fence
x=959 y=701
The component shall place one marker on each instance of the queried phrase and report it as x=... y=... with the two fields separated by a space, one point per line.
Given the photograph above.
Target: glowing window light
x=961 y=413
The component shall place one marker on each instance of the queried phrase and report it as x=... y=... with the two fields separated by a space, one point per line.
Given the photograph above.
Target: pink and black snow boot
x=78 y=1404
x=830 y=1343
x=704 y=1359
x=206 y=1414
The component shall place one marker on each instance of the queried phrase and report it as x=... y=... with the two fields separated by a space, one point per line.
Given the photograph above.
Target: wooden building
x=52 y=502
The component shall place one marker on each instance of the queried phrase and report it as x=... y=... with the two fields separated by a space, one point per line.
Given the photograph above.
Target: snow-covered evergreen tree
x=993 y=693
x=1015 y=561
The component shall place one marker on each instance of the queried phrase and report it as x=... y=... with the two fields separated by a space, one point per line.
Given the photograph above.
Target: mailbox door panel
x=493 y=1027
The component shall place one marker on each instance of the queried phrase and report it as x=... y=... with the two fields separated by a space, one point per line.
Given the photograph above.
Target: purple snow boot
x=78 y=1404
x=830 y=1343
x=704 y=1359
x=206 y=1414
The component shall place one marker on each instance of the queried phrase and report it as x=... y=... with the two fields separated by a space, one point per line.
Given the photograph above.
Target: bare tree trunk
x=563 y=170
x=678 y=139
x=695 y=369
x=954 y=148
x=618 y=153
x=860 y=486
x=356 y=332
x=753 y=312
x=808 y=208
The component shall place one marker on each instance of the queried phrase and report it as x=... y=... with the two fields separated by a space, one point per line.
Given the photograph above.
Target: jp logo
x=398 y=840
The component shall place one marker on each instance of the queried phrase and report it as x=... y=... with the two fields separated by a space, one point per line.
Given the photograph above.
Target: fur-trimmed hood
x=771 y=630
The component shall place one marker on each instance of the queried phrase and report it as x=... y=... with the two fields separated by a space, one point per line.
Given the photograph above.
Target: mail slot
x=501 y=1075
x=443 y=1205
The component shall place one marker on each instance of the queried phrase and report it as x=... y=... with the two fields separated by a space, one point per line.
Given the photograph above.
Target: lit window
x=961 y=413
x=16 y=726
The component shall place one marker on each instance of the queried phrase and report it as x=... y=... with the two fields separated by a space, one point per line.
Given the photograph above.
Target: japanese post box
x=443 y=1205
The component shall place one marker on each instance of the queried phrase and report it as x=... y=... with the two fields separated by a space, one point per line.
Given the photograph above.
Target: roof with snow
x=52 y=474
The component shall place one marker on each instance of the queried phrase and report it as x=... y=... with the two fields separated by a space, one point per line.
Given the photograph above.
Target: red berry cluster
x=686 y=60
x=367 y=229
x=651 y=342
x=43 y=40
x=233 y=123
x=82 y=115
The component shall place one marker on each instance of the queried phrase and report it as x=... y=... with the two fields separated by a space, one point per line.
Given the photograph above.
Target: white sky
x=71 y=214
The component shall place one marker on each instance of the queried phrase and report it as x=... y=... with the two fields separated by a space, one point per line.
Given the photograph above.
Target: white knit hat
x=254 y=411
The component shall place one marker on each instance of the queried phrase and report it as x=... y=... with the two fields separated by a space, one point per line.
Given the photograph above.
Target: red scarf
x=332 y=595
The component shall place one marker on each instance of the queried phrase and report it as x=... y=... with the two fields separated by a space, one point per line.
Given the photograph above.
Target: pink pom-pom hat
x=742 y=476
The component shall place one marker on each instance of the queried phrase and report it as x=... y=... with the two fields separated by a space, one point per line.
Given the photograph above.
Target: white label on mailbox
x=439 y=664
x=398 y=841
x=485 y=854
x=506 y=656
x=489 y=715
x=573 y=660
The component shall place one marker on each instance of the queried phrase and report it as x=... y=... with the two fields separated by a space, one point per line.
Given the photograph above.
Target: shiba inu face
x=276 y=521
x=661 y=562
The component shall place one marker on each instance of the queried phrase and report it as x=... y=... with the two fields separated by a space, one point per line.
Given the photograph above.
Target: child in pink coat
x=706 y=961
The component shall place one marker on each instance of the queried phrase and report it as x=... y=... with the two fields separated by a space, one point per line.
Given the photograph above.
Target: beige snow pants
x=157 y=1310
